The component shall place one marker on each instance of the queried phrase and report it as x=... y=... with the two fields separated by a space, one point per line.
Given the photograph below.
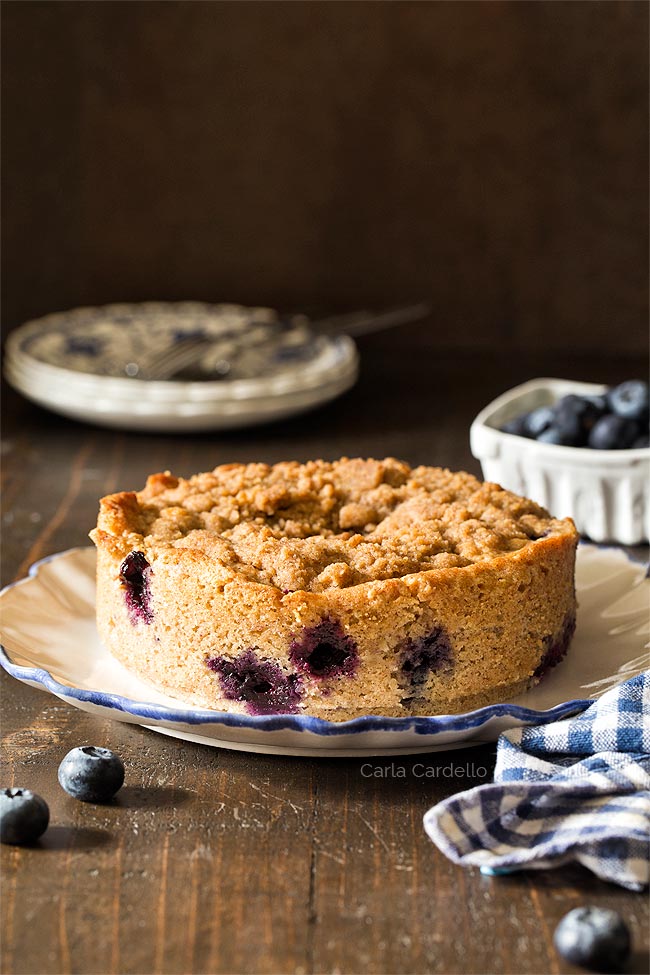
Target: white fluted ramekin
x=606 y=492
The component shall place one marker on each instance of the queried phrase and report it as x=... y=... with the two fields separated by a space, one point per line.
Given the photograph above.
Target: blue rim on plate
x=421 y=725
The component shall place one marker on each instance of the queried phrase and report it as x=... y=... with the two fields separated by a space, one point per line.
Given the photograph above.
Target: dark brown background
x=489 y=156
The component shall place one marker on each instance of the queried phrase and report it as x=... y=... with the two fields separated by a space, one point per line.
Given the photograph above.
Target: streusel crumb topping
x=323 y=525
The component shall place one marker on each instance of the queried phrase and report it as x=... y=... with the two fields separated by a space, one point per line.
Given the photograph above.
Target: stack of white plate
x=85 y=364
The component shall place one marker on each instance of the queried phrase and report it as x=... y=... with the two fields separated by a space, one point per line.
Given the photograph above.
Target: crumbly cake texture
x=334 y=589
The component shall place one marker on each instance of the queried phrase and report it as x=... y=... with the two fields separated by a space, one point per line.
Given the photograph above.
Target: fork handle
x=365 y=322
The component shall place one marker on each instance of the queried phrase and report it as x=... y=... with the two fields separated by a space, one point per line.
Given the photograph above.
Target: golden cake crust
x=321 y=525
x=445 y=592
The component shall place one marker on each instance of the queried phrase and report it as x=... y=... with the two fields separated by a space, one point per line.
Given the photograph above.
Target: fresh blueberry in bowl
x=91 y=773
x=594 y=938
x=613 y=432
x=614 y=420
x=576 y=415
x=516 y=426
x=566 y=429
x=539 y=420
x=629 y=400
x=24 y=816
x=584 y=461
x=552 y=434
x=597 y=403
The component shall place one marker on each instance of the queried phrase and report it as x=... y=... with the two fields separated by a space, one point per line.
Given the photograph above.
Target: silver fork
x=188 y=352
x=169 y=362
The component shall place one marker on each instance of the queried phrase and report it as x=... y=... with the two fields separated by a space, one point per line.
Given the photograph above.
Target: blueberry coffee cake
x=334 y=589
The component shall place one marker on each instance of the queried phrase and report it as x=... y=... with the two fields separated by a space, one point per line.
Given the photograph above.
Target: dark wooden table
x=221 y=861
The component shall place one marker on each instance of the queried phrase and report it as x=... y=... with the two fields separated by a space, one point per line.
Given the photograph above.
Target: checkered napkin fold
x=577 y=789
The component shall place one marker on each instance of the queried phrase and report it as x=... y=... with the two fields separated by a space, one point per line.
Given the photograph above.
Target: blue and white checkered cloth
x=575 y=790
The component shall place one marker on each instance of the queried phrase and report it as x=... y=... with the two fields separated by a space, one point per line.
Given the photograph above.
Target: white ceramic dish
x=192 y=413
x=606 y=492
x=74 y=363
x=51 y=642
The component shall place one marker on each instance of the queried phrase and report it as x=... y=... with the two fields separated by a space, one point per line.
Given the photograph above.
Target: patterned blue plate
x=50 y=641
x=97 y=365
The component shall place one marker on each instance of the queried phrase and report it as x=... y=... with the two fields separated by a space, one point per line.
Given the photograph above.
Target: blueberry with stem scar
x=630 y=399
x=24 y=816
x=91 y=773
x=594 y=938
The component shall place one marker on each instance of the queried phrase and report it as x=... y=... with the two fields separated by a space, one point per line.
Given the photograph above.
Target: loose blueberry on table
x=594 y=938
x=615 y=420
x=24 y=816
x=91 y=773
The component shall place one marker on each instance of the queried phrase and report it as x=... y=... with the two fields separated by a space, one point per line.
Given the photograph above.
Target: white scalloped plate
x=50 y=641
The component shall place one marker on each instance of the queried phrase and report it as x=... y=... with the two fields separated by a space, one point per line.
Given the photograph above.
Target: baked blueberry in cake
x=334 y=589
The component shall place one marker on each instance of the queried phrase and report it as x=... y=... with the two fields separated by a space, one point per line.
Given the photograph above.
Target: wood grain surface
x=215 y=861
